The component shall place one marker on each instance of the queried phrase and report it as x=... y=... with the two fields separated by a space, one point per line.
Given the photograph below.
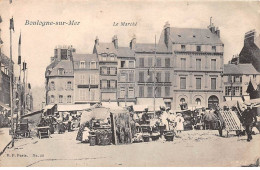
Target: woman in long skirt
x=179 y=120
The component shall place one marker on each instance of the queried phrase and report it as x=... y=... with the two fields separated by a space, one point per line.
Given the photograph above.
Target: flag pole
x=154 y=76
x=11 y=85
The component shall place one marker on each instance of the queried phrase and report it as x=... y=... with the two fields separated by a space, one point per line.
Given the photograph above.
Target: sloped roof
x=191 y=36
x=125 y=52
x=85 y=57
x=106 y=48
x=66 y=65
x=239 y=69
x=144 y=47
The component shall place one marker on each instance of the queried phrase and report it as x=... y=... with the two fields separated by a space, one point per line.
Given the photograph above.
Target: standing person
x=165 y=117
x=172 y=118
x=249 y=120
x=145 y=116
x=179 y=123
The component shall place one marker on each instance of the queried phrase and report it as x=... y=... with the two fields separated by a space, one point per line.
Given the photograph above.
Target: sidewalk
x=5 y=139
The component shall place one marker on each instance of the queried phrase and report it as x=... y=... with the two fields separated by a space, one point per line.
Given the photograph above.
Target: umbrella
x=210 y=117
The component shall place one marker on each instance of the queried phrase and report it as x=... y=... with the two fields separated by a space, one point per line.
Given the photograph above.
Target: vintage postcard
x=127 y=83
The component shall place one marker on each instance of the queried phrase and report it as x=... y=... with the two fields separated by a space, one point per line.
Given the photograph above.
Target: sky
x=96 y=18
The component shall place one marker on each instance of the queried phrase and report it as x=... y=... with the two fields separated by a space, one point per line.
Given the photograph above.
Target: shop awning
x=235 y=98
x=4 y=106
x=139 y=108
x=47 y=107
x=73 y=107
x=253 y=101
x=150 y=103
x=122 y=104
x=110 y=105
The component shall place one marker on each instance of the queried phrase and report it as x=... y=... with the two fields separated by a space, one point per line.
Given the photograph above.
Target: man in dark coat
x=249 y=120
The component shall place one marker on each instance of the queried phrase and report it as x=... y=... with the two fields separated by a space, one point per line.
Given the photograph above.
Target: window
x=167 y=77
x=131 y=64
x=123 y=77
x=123 y=65
x=150 y=76
x=198 y=101
x=182 y=100
x=183 y=63
x=122 y=92
x=198 y=64
x=158 y=62
x=112 y=84
x=69 y=87
x=227 y=90
x=158 y=91
x=198 y=83
x=103 y=84
x=104 y=57
x=213 y=83
x=61 y=71
x=167 y=91
x=92 y=79
x=141 y=62
x=150 y=91
x=82 y=64
x=69 y=99
x=141 y=76
x=141 y=91
x=82 y=94
x=198 y=48
x=82 y=79
x=52 y=99
x=183 y=82
x=213 y=48
x=60 y=98
x=93 y=65
x=158 y=77
x=131 y=77
x=131 y=92
x=167 y=62
x=52 y=87
x=150 y=62
x=183 y=47
x=213 y=64
x=113 y=71
x=237 y=78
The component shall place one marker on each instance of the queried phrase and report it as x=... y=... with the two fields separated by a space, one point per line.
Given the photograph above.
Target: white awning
x=72 y=107
x=110 y=105
x=235 y=98
x=139 y=108
x=47 y=107
x=122 y=104
x=150 y=103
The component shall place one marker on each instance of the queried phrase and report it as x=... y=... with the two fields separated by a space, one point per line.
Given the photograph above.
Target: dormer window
x=61 y=71
x=198 y=48
x=183 y=47
x=82 y=64
x=214 y=48
x=93 y=65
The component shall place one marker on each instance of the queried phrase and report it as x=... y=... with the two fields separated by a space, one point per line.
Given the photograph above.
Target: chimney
x=133 y=43
x=115 y=41
x=167 y=34
x=96 y=41
x=217 y=32
x=250 y=36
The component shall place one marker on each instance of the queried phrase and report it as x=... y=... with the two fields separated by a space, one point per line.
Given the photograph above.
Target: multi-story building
x=154 y=67
x=86 y=79
x=126 y=76
x=59 y=77
x=107 y=61
x=5 y=74
x=236 y=79
x=197 y=56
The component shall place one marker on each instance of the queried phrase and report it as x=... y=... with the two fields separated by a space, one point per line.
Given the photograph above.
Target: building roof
x=239 y=69
x=125 y=52
x=105 y=48
x=66 y=65
x=5 y=60
x=84 y=57
x=191 y=36
x=150 y=48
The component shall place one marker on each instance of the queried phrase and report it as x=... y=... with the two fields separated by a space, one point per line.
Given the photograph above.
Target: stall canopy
x=111 y=105
x=150 y=103
x=4 y=106
x=254 y=102
x=48 y=107
x=122 y=104
x=73 y=107
x=139 y=108
x=235 y=98
x=96 y=113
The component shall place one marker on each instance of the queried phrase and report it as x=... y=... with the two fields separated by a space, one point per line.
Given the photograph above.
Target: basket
x=154 y=138
x=169 y=137
x=92 y=140
x=146 y=138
